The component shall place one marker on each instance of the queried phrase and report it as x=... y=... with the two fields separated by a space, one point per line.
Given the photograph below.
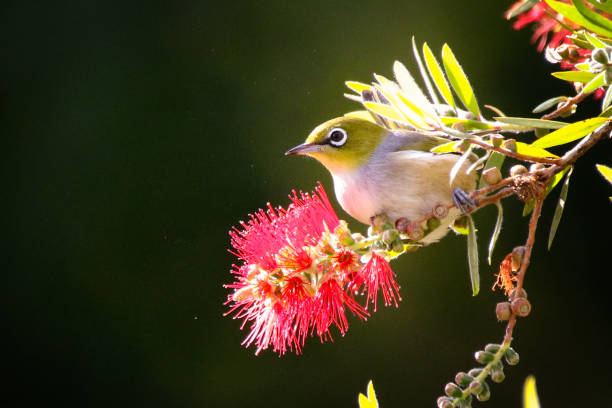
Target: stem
x=515 y=155
x=567 y=106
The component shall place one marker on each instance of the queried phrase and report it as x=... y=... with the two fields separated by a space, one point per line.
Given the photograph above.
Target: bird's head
x=342 y=144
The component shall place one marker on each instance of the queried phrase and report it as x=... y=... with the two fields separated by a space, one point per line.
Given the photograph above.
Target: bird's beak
x=304 y=148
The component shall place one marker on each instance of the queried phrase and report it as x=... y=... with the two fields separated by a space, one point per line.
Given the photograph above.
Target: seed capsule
x=492 y=348
x=517 y=257
x=536 y=167
x=522 y=293
x=414 y=231
x=600 y=55
x=521 y=307
x=517 y=170
x=503 y=311
x=402 y=224
x=492 y=175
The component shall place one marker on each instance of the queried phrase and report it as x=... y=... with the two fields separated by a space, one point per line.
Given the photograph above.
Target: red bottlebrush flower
x=378 y=274
x=300 y=274
x=540 y=15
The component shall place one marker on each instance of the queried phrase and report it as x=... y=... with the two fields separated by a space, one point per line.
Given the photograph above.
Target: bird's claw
x=463 y=201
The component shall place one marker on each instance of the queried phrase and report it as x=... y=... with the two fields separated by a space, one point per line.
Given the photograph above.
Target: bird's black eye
x=337 y=137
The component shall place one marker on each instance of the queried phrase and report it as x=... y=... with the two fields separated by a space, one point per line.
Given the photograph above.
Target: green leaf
x=438 y=76
x=602 y=5
x=424 y=75
x=531 y=123
x=605 y=171
x=523 y=8
x=357 y=86
x=530 y=393
x=595 y=83
x=574 y=15
x=468 y=124
x=446 y=147
x=596 y=42
x=605 y=103
x=459 y=164
x=560 y=207
x=370 y=401
x=570 y=133
x=495 y=160
x=607 y=113
x=575 y=76
x=459 y=80
x=386 y=111
x=556 y=179
x=529 y=150
x=549 y=103
x=593 y=17
x=496 y=230
x=472 y=248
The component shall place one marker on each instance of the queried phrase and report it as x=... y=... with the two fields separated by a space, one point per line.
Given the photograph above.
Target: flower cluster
x=547 y=29
x=300 y=273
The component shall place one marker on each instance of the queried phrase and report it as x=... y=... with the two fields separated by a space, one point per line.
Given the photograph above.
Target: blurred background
x=137 y=133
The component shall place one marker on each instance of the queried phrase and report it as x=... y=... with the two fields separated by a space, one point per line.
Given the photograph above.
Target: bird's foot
x=463 y=201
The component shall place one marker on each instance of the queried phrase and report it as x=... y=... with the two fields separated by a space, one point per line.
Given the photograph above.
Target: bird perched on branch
x=392 y=172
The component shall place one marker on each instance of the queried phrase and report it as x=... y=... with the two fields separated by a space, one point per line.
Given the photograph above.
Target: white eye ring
x=337 y=137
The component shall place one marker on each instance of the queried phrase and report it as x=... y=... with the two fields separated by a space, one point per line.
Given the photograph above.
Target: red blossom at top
x=299 y=275
x=540 y=15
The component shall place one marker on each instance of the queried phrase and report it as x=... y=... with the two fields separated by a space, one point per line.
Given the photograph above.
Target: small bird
x=392 y=172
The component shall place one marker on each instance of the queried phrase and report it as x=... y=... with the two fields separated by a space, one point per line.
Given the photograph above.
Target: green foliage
x=438 y=76
x=575 y=76
x=530 y=393
x=573 y=13
x=527 y=124
x=472 y=249
x=496 y=230
x=370 y=400
x=560 y=207
x=459 y=80
x=570 y=133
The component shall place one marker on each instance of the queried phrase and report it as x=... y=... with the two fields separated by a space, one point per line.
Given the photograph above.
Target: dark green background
x=136 y=134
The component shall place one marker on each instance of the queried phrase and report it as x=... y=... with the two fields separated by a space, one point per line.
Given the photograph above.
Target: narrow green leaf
x=574 y=15
x=575 y=76
x=583 y=66
x=605 y=103
x=370 y=401
x=556 y=179
x=386 y=111
x=605 y=171
x=593 y=16
x=357 y=86
x=446 y=147
x=531 y=123
x=569 y=133
x=595 y=83
x=549 y=103
x=472 y=248
x=496 y=230
x=524 y=7
x=459 y=164
x=424 y=75
x=529 y=150
x=607 y=113
x=438 y=76
x=604 y=5
x=596 y=42
x=495 y=160
x=459 y=80
x=530 y=393
x=560 y=207
x=468 y=124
